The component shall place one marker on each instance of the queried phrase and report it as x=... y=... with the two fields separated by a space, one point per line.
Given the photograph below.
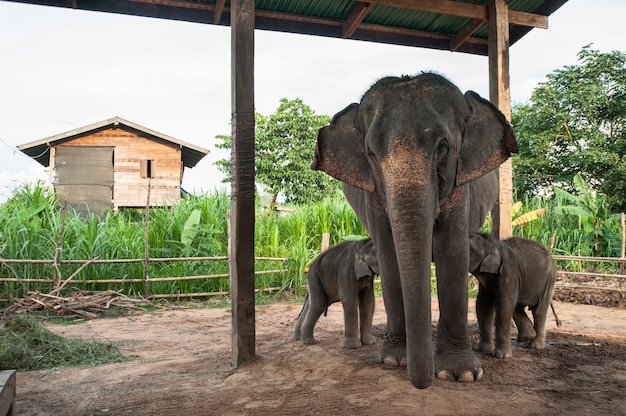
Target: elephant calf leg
x=525 y=329
x=540 y=316
x=503 y=333
x=308 y=324
x=485 y=312
x=366 y=315
x=351 y=323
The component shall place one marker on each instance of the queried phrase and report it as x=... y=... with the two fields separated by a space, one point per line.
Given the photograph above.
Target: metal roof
x=459 y=25
x=40 y=149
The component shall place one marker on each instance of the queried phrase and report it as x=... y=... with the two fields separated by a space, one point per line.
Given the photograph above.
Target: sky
x=61 y=69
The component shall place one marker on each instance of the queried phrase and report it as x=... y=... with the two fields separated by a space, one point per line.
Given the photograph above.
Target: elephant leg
x=366 y=314
x=351 y=321
x=525 y=330
x=310 y=319
x=374 y=218
x=504 y=314
x=540 y=316
x=485 y=312
x=454 y=357
x=393 y=350
x=297 y=328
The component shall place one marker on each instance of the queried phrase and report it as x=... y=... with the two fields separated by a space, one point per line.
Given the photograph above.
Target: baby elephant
x=513 y=273
x=342 y=273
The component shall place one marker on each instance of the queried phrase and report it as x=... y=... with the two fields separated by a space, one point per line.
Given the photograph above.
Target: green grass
x=197 y=227
x=26 y=344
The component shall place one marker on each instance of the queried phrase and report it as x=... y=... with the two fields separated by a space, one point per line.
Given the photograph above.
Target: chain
x=390 y=339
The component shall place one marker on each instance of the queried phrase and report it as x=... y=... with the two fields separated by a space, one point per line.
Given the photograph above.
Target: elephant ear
x=488 y=140
x=361 y=268
x=340 y=151
x=492 y=263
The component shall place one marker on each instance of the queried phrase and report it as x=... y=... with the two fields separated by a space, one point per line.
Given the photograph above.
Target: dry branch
x=85 y=304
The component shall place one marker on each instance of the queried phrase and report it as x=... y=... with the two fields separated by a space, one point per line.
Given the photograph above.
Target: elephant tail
x=556 y=317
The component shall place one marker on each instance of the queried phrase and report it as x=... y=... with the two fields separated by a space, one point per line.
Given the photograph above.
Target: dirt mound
x=181 y=365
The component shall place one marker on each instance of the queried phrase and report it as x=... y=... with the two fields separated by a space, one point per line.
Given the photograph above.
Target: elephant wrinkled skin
x=513 y=273
x=343 y=273
x=405 y=154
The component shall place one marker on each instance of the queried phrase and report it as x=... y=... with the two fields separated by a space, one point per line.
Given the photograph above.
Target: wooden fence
x=566 y=277
x=146 y=280
x=563 y=274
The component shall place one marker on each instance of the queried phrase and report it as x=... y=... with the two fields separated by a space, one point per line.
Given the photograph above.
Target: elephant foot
x=368 y=339
x=308 y=340
x=458 y=367
x=352 y=343
x=393 y=351
x=536 y=344
x=502 y=352
x=486 y=347
x=525 y=336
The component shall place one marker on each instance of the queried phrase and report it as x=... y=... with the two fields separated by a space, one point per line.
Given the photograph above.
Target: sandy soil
x=181 y=366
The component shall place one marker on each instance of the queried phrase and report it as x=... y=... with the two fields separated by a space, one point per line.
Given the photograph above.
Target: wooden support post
x=500 y=96
x=7 y=392
x=242 y=185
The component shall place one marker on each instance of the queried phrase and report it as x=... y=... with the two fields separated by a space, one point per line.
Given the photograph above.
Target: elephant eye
x=442 y=149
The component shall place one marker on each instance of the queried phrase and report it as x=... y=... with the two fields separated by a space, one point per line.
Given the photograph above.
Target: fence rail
x=146 y=280
x=70 y=281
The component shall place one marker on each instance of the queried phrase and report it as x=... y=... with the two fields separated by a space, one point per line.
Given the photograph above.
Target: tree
x=575 y=123
x=285 y=144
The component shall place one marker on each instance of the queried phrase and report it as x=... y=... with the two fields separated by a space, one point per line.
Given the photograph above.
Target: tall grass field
x=197 y=228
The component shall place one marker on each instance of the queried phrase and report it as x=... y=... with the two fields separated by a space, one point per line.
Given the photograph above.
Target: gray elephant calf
x=513 y=273
x=343 y=273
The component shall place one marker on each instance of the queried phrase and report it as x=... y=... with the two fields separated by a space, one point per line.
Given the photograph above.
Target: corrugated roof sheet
x=431 y=24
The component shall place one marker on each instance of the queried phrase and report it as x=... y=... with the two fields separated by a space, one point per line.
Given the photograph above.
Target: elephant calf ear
x=488 y=140
x=340 y=151
x=361 y=268
x=492 y=264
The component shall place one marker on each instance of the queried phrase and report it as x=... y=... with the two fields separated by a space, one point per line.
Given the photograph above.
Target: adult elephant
x=405 y=155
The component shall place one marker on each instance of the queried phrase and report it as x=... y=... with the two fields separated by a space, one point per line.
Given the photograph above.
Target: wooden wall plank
x=130 y=188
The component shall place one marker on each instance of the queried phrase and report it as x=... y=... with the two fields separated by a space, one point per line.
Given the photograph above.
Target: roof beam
x=354 y=20
x=219 y=9
x=471 y=11
x=465 y=33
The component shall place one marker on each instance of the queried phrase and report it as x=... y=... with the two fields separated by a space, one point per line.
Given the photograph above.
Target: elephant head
x=365 y=262
x=411 y=145
x=485 y=254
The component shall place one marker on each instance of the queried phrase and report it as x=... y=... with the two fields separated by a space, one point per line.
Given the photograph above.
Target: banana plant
x=592 y=210
x=526 y=217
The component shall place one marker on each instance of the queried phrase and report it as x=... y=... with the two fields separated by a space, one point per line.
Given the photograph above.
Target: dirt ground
x=181 y=366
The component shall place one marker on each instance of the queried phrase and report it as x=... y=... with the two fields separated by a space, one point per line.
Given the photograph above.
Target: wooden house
x=115 y=163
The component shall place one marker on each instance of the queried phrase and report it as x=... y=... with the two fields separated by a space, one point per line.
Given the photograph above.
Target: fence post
x=621 y=264
x=325 y=242
x=59 y=247
x=146 y=246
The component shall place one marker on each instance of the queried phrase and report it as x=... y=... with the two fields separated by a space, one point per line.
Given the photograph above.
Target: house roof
x=39 y=150
x=437 y=24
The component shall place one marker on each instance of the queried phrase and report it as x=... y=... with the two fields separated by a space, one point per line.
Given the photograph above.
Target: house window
x=147 y=168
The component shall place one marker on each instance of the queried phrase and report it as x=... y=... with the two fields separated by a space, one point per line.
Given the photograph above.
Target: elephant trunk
x=412 y=222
